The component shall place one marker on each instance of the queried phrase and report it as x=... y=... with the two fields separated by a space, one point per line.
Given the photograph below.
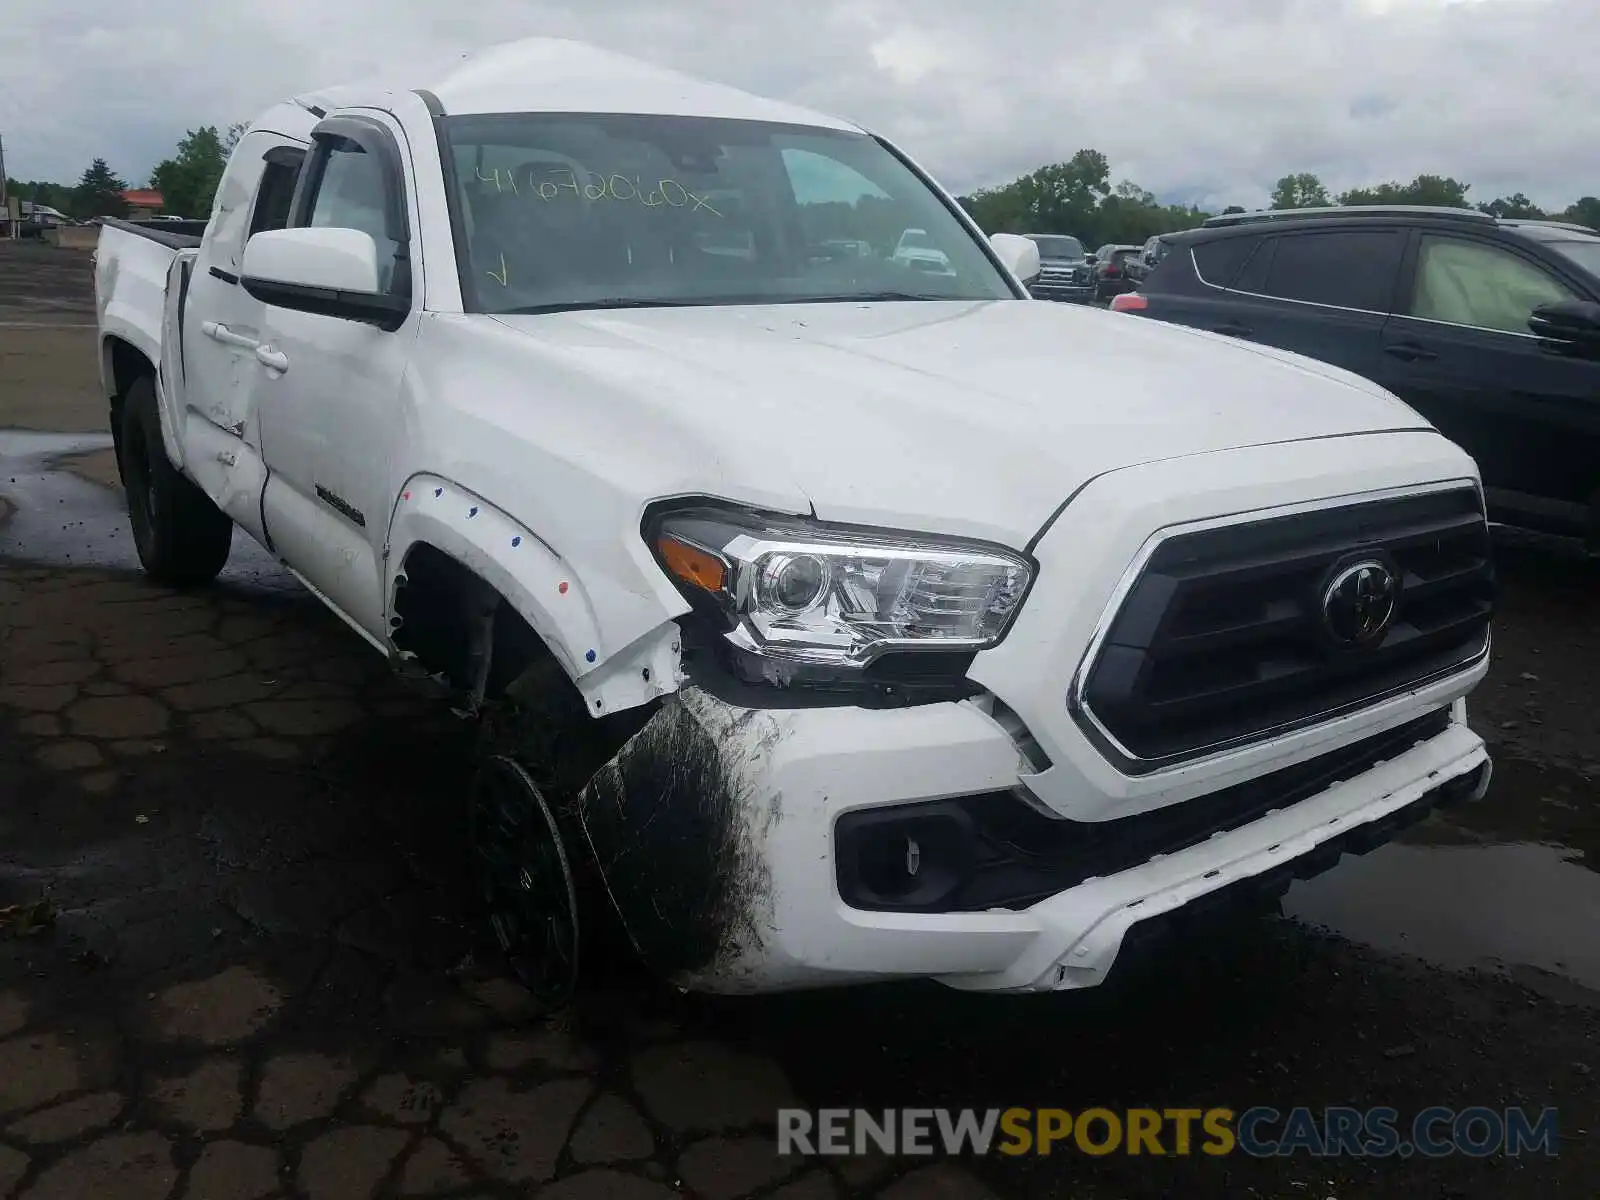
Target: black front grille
x=1221 y=639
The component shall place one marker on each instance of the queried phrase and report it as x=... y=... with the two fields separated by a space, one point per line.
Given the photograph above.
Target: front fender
x=544 y=589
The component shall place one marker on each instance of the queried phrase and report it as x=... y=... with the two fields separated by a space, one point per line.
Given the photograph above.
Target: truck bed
x=176 y=235
x=140 y=269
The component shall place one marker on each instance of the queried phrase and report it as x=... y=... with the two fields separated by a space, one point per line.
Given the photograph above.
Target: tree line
x=187 y=181
x=1078 y=197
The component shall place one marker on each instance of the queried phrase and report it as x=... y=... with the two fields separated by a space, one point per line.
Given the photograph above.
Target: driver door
x=329 y=386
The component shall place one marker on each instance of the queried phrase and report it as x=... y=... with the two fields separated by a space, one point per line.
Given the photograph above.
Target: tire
x=525 y=881
x=527 y=844
x=183 y=538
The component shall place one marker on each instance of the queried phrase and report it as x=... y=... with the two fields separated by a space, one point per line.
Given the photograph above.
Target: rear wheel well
x=124 y=366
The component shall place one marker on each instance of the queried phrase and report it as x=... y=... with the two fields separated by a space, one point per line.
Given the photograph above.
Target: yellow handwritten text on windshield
x=564 y=183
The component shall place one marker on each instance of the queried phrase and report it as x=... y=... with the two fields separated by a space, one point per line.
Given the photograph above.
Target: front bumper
x=714 y=830
x=724 y=829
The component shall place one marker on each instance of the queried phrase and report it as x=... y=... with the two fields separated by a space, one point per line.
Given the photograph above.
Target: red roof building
x=142 y=201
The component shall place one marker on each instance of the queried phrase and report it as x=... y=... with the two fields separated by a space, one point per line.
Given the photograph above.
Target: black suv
x=1490 y=328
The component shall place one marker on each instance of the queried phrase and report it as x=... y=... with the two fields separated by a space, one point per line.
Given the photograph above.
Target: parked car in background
x=837 y=248
x=1065 y=272
x=37 y=220
x=1111 y=270
x=1140 y=265
x=1488 y=327
x=917 y=251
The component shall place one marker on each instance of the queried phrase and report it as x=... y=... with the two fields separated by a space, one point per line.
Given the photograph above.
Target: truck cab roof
x=560 y=75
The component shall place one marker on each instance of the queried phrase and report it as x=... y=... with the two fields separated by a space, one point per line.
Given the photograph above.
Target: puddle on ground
x=1511 y=883
x=50 y=516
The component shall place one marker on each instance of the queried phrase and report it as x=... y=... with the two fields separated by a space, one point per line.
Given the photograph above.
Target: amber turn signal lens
x=692 y=564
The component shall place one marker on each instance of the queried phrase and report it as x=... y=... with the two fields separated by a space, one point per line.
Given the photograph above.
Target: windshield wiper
x=604 y=302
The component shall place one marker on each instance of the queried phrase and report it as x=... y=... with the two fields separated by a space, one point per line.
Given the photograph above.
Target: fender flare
x=535 y=580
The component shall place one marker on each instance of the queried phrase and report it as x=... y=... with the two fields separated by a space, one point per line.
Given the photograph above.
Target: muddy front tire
x=183 y=538
x=539 y=733
x=525 y=881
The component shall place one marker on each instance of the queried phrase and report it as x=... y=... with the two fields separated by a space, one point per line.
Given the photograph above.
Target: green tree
x=1515 y=206
x=1585 y=212
x=188 y=180
x=1058 y=198
x=1436 y=190
x=1131 y=214
x=1077 y=197
x=39 y=191
x=1300 y=191
x=99 y=192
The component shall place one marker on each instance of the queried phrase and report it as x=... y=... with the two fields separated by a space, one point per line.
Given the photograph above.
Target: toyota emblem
x=1359 y=603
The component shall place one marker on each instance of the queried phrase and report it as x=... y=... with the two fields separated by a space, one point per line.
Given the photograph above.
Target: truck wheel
x=183 y=539
x=525 y=880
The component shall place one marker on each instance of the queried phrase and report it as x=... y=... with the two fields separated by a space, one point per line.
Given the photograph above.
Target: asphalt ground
x=237 y=956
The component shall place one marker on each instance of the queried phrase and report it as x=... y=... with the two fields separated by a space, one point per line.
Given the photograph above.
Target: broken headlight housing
x=809 y=593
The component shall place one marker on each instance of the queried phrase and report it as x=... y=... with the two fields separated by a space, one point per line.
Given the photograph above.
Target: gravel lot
x=239 y=965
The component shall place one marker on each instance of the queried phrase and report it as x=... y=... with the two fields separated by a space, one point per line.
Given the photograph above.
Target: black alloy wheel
x=525 y=880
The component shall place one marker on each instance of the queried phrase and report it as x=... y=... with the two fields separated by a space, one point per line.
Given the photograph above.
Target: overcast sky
x=1205 y=100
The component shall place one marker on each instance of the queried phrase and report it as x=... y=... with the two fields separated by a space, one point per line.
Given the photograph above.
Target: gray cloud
x=1211 y=99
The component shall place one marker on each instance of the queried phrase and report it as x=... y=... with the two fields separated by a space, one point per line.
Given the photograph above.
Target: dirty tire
x=548 y=733
x=525 y=880
x=183 y=539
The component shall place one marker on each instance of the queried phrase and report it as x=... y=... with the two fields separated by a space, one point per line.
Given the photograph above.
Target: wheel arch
x=122 y=364
x=452 y=556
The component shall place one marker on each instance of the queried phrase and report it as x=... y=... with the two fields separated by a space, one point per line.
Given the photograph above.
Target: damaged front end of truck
x=677 y=828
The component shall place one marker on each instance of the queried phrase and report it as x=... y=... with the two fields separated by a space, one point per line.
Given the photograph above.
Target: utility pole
x=5 y=205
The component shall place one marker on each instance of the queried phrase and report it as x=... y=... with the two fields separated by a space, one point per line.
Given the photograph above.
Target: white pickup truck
x=830 y=620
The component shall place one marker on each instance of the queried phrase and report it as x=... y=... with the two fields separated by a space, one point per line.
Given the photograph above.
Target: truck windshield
x=558 y=211
x=1058 y=247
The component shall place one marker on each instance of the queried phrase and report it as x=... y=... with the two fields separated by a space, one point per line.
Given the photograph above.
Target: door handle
x=219 y=332
x=1233 y=329
x=273 y=360
x=1410 y=352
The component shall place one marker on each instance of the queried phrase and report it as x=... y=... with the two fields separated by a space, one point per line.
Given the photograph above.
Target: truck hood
x=974 y=418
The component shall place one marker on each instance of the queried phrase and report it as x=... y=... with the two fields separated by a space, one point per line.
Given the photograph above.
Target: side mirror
x=1019 y=254
x=328 y=271
x=1569 y=327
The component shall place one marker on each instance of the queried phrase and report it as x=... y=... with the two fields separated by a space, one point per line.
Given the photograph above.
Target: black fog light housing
x=891 y=860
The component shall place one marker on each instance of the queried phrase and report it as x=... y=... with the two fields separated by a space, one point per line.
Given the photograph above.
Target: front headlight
x=814 y=593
